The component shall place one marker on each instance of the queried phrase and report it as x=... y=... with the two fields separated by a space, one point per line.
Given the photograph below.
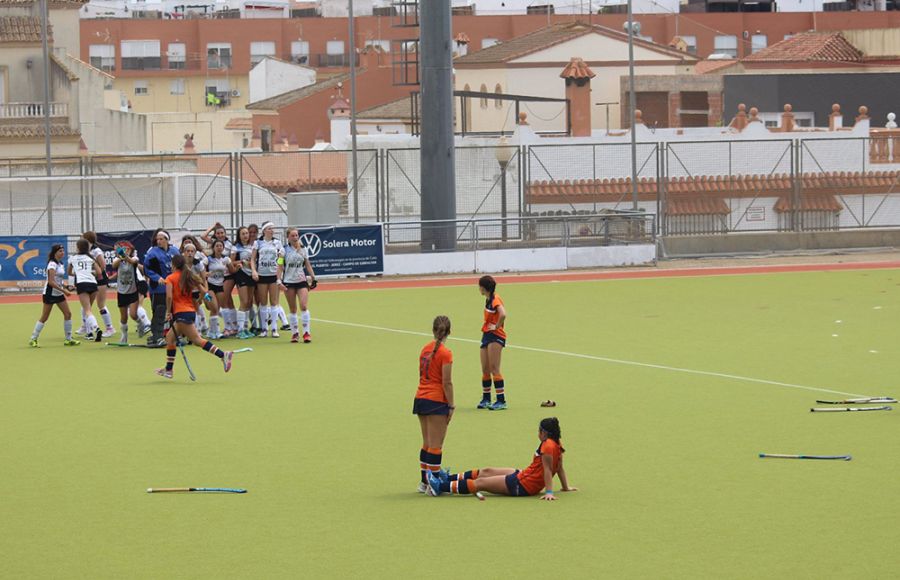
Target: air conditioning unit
x=235 y=93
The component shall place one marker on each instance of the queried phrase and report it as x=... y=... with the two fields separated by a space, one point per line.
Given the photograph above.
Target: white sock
x=253 y=316
x=91 y=324
x=281 y=316
x=142 y=316
x=214 y=325
x=38 y=327
x=201 y=318
x=304 y=317
x=226 y=319
x=232 y=315
x=241 y=320
x=293 y=319
x=273 y=317
x=84 y=323
x=264 y=317
x=67 y=327
x=107 y=318
x=124 y=327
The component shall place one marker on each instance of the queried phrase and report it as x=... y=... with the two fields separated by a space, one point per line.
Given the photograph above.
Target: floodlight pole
x=353 y=113
x=45 y=48
x=632 y=106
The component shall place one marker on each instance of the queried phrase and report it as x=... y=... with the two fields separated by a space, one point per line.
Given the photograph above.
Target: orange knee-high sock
x=499 y=387
x=486 y=387
x=463 y=486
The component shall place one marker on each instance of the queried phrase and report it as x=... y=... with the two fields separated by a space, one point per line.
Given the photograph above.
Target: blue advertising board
x=140 y=239
x=23 y=260
x=345 y=250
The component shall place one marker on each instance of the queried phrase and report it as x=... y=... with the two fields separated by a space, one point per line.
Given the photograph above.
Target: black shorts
x=215 y=289
x=51 y=299
x=104 y=281
x=143 y=288
x=243 y=280
x=230 y=277
x=86 y=287
x=126 y=299
x=429 y=407
x=185 y=317
x=297 y=285
x=267 y=279
x=514 y=486
x=489 y=337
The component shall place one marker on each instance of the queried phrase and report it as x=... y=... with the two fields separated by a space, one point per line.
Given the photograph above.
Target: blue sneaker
x=434 y=485
x=498 y=406
x=443 y=475
x=484 y=404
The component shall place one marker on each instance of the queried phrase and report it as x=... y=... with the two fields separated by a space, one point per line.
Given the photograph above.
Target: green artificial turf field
x=323 y=438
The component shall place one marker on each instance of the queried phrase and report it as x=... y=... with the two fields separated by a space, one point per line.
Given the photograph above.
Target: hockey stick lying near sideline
x=842 y=409
x=863 y=401
x=785 y=456
x=203 y=489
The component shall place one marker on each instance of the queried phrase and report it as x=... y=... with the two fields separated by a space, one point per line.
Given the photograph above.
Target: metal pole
x=503 y=230
x=45 y=48
x=353 y=112
x=632 y=105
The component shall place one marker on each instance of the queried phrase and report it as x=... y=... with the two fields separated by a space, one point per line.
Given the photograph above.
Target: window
x=691 y=42
x=218 y=55
x=300 y=52
x=334 y=56
x=260 y=50
x=382 y=45
x=726 y=45
x=103 y=56
x=758 y=42
x=176 y=55
x=335 y=47
x=483 y=101
x=140 y=55
x=498 y=103
x=141 y=88
x=217 y=92
x=487 y=42
x=176 y=87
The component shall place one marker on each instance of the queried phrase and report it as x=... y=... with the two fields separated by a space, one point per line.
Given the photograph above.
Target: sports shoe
x=81 y=330
x=109 y=332
x=33 y=343
x=226 y=360
x=123 y=339
x=295 y=337
x=244 y=334
x=422 y=488
x=143 y=330
x=275 y=333
x=71 y=342
x=254 y=330
x=434 y=485
x=498 y=406
x=164 y=373
x=484 y=404
x=98 y=336
x=443 y=475
x=285 y=327
x=263 y=334
x=307 y=337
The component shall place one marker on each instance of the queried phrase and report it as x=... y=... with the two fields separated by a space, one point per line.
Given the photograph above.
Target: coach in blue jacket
x=157 y=266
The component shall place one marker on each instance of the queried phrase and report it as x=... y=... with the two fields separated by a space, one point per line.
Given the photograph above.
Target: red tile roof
x=577 y=69
x=12 y=132
x=239 y=124
x=809 y=47
x=696 y=205
x=709 y=66
x=21 y=29
x=810 y=202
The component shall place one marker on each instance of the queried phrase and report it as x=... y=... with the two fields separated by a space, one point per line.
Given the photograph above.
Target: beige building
x=530 y=65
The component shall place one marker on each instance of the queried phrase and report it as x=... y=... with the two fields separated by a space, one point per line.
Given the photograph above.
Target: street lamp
x=504 y=153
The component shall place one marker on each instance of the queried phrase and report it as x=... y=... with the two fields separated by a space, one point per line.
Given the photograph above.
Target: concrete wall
x=165 y=131
x=273 y=77
x=159 y=97
x=776 y=242
x=66 y=30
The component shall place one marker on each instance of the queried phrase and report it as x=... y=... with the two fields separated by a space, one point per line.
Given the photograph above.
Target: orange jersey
x=431 y=369
x=181 y=302
x=491 y=315
x=532 y=477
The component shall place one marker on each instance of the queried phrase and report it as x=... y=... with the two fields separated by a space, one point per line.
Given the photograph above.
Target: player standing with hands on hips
x=296 y=276
x=434 y=399
x=493 y=340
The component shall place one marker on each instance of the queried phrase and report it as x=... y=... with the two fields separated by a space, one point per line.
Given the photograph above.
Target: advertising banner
x=23 y=260
x=140 y=239
x=345 y=250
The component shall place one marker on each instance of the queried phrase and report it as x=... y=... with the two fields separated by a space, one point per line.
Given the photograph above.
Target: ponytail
x=189 y=280
x=441 y=329
x=550 y=426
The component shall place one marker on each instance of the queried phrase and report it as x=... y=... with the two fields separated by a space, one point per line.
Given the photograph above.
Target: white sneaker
x=263 y=333
x=123 y=339
x=108 y=332
x=81 y=331
x=422 y=487
x=275 y=333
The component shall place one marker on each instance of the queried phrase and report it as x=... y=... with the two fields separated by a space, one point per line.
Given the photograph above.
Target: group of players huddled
x=183 y=282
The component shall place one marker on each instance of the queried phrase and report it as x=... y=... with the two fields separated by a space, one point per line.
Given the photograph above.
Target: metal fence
x=691 y=187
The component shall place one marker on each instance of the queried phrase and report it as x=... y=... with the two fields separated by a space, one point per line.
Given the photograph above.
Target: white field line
x=606 y=359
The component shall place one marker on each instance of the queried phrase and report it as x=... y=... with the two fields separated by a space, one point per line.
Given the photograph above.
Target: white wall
x=487 y=7
x=272 y=77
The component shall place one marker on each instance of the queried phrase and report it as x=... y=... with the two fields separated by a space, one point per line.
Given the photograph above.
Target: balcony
x=334 y=60
x=141 y=63
x=32 y=110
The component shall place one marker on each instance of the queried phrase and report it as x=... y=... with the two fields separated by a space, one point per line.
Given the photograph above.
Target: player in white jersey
x=102 y=283
x=266 y=252
x=127 y=266
x=197 y=261
x=218 y=267
x=214 y=234
x=55 y=292
x=243 y=278
x=297 y=278
x=86 y=271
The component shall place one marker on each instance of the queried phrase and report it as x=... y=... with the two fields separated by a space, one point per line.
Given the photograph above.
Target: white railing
x=33 y=110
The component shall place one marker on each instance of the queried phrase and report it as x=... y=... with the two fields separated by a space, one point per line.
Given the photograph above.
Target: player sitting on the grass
x=547 y=462
x=181 y=310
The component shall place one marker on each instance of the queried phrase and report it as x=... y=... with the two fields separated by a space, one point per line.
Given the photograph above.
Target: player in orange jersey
x=183 y=287
x=493 y=339
x=547 y=462
x=434 y=399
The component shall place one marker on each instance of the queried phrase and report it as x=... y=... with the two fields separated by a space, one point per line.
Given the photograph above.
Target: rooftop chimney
x=578 y=91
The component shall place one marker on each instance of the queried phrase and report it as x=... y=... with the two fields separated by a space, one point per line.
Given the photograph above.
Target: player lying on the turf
x=547 y=462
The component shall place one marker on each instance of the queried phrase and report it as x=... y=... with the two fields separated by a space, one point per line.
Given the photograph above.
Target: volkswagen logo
x=312 y=243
